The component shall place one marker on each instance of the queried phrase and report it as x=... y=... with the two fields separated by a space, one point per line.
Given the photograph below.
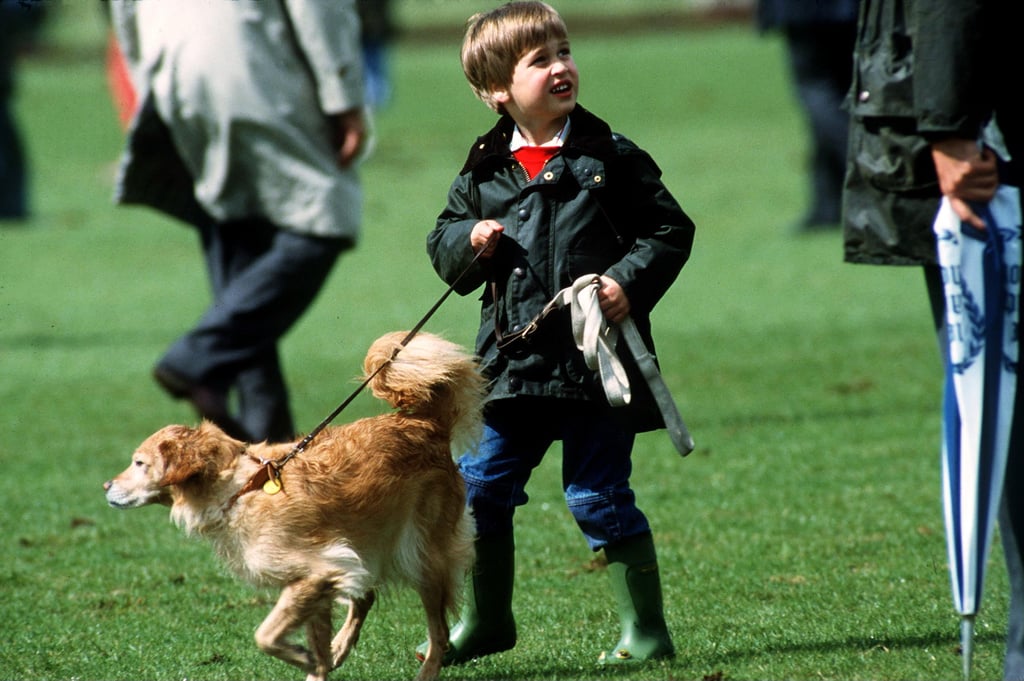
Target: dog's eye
x=139 y=463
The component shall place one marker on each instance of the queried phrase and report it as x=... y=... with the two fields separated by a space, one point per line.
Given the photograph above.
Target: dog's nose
x=106 y=486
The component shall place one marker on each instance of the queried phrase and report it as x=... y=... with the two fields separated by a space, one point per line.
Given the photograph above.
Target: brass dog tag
x=273 y=484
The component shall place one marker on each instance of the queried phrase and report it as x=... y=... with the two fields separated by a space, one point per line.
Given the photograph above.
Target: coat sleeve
x=952 y=73
x=661 y=231
x=329 y=38
x=448 y=243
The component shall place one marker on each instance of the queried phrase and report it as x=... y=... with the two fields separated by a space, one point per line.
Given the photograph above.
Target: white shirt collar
x=518 y=141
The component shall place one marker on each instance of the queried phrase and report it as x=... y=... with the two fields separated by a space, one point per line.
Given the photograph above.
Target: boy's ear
x=500 y=96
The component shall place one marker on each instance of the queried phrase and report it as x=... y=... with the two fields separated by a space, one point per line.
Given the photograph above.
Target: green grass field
x=803 y=538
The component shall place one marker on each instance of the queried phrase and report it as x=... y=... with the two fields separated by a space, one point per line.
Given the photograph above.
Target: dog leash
x=596 y=339
x=268 y=476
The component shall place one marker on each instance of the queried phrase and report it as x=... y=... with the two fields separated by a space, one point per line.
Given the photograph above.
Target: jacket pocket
x=891 y=157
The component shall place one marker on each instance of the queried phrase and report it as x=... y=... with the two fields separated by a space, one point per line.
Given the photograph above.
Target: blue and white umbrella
x=981 y=277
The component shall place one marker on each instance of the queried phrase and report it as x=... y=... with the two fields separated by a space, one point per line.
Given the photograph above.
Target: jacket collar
x=588 y=136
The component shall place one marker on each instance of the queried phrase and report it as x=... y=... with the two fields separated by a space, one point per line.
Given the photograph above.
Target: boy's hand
x=485 y=235
x=613 y=301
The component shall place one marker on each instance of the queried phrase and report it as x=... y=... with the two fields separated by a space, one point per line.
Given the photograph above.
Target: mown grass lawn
x=802 y=539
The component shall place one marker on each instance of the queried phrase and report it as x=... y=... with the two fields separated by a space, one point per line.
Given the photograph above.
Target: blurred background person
x=19 y=26
x=819 y=36
x=378 y=30
x=248 y=125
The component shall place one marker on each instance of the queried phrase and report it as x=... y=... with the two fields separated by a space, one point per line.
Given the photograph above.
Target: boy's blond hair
x=495 y=41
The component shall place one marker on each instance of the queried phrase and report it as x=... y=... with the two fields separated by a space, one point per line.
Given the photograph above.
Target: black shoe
x=209 y=403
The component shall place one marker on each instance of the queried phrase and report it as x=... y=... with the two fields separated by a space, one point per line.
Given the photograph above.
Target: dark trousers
x=821 y=62
x=263 y=279
x=13 y=182
x=1011 y=510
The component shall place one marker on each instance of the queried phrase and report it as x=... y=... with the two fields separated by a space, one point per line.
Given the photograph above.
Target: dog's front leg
x=299 y=601
x=318 y=637
x=348 y=636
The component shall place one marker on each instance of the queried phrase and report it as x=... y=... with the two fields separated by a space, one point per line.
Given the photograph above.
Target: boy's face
x=544 y=88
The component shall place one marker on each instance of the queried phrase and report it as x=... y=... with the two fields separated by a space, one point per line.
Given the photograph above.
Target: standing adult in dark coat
x=930 y=78
x=819 y=40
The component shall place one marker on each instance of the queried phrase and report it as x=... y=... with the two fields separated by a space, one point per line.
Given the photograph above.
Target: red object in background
x=120 y=82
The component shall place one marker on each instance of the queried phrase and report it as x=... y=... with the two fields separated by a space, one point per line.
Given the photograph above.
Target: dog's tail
x=430 y=377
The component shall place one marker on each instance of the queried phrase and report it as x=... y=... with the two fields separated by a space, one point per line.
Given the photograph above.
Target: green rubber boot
x=486 y=625
x=633 y=572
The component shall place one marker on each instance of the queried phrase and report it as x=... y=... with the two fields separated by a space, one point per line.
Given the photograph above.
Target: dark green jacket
x=598 y=207
x=923 y=70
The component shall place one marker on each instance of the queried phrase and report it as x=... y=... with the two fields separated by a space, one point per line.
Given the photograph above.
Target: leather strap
x=596 y=338
x=266 y=472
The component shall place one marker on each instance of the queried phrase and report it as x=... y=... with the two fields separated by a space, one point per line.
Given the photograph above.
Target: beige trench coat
x=234 y=104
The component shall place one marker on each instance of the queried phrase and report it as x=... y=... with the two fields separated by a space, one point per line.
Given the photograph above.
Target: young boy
x=551 y=194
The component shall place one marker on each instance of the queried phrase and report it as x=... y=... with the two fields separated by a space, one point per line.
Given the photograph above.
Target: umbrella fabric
x=981 y=279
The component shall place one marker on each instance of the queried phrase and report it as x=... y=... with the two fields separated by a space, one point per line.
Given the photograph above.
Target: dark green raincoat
x=923 y=70
x=598 y=207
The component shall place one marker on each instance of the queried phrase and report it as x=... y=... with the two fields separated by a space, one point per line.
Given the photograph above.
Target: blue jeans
x=596 y=467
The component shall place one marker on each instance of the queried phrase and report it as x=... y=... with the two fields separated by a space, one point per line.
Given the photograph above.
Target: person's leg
x=263 y=405
x=13 y=175
x=226 y=252
x=513 y=443
x=596 y=470
x=1011 y=530
x=263 y=280
x=821 y=61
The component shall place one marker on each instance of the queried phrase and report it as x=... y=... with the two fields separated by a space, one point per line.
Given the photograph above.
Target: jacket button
x=524 y=214
x=515 y=384
x=549 y=176
x=517 y=328
x=863 y=96
x=518 y=272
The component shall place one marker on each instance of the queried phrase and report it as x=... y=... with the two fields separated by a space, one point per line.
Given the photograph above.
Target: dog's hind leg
x=348 y=635
x=437 y=633
x=299 y=601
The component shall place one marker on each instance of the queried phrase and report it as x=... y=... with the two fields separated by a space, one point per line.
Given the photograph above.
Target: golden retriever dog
x=376 y=502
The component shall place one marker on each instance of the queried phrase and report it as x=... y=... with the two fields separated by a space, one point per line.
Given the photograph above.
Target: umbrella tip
x=967 y=643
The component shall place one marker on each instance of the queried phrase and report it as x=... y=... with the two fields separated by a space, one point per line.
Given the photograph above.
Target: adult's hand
x=966 y=173
x=349 y=135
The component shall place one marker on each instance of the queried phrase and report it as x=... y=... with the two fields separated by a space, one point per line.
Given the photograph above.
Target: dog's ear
x=183 y=455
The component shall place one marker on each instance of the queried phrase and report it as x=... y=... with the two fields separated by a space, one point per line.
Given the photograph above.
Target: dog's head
x=173 y=456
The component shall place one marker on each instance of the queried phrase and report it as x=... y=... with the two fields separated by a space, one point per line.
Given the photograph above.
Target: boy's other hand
x=613 y=301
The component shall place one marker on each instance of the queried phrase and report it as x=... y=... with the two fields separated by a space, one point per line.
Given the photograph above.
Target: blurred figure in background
x=819 y=38
x=249 y=121
x=378 y=30
x=19 y=24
